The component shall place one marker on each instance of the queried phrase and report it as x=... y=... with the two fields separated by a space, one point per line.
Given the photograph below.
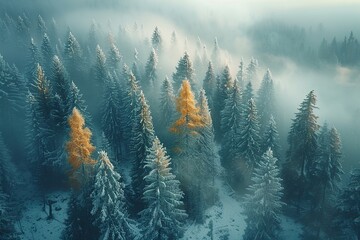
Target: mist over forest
x=179 y=119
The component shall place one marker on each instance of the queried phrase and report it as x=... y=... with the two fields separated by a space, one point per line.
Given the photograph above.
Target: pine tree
x=250 y=139
x=248 y=94
x=156 y=40
x=150 y=76
x=163 y=218
x=216 y=57
x=47 y=53
x=41 y=26
x=265 y=100
x=302 y=150
x=241 y=74
x=112 y=118
x=224 y=86
x=73 y=55
x=263 y=203
x=271 y=138
x=184 y=70
x=79 y=147
x=33 y=59
x=348 y=209
x=108 y=202
x=100 y=67
x=142 y=136
x=251 y=70
x=230 y=126
x=114 y=58
x=209 y=85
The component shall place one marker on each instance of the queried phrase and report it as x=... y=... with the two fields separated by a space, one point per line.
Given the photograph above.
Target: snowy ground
x=34 y=224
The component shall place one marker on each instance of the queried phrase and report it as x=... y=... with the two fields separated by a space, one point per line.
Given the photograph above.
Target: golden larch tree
x=190 y=118
x=79 y=147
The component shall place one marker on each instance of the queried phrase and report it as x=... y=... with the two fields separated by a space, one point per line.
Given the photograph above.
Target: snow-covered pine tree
x=167 y=112
x=241 y=74
x=142 y=136
x=156 y=40
x=265 y=101
x=184 y=70
x=100 y=67
x=216 y=57
x=41 y=27
x=73 y=56
x=225 y=85
x=302 y=150
x=209 y=85
x=150 y=75
x=32 y=60
x=248 y=93
x=251 y=70
x=164 y=216
x=263 y=202
x=347 y=220
x=230 y=125
x=250 y=141
x=47 y=53
x=270 y=138
x=112 y=118
x=108 y=202
x=114 y=58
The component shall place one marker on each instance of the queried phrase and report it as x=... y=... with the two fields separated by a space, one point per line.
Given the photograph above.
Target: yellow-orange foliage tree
x=79 y=147
x=187 y=160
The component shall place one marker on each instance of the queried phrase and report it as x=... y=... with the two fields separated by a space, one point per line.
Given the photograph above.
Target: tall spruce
x=164 y=216
x=184 y=70
x=263 y=202
x=270 y=138
x=265 y=100
x=209 y=85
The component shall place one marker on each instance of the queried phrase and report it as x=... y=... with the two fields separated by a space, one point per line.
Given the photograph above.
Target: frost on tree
x=270 y=138
x=156 y=40
x=263 y=202
x=150 y=77
x=265 y=100
x=184 y=70
x=209 y=85
x=302 y=150
x=108 y=202
x=164 y=216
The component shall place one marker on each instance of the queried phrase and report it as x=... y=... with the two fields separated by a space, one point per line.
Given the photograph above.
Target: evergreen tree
x=73 y=55
x=248 y=94
x=249 y=140
x=209 y=85
x=7 y=222
x=114 y=58
x=163 y=218
x=224 y=87
x=184 y=70
x=348 y=209
x=141 y=140
x=241 y=74
x=150 y=76
x=108 y=202
x=41 y=26
x=263 y=203
x=265 y=100
x=216 y=57
x=156 y=40
x=47 y=53
x=230 y=126
x=251 y=70
x=271 y=138
x=302 y=150
x=33 y=59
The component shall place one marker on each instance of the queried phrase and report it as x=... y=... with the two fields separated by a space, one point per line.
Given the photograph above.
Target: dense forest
x=112 y=131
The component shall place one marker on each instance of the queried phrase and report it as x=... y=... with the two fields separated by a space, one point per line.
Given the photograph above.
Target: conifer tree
x=79 y=147
x=302 y=150
x=263 y=202
x=156 y=40
x=209 y=85
x=251 y=70
x=271 y=138
x=47 y=53
x=41 y=26
x=7 y=222
x=33 y=59
x=248 y=94
x=230 y=125
x=150 y=76
x=348 y=211
x=100 y=67
x=265 y=100
x=241 y=74
x=163 y=218
x=73 y=55
x=224 y=86
x=187 y=127
x=142 y=136
x=250 y=140
x=114 y=58
x=108 y=202
x=184 y=70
